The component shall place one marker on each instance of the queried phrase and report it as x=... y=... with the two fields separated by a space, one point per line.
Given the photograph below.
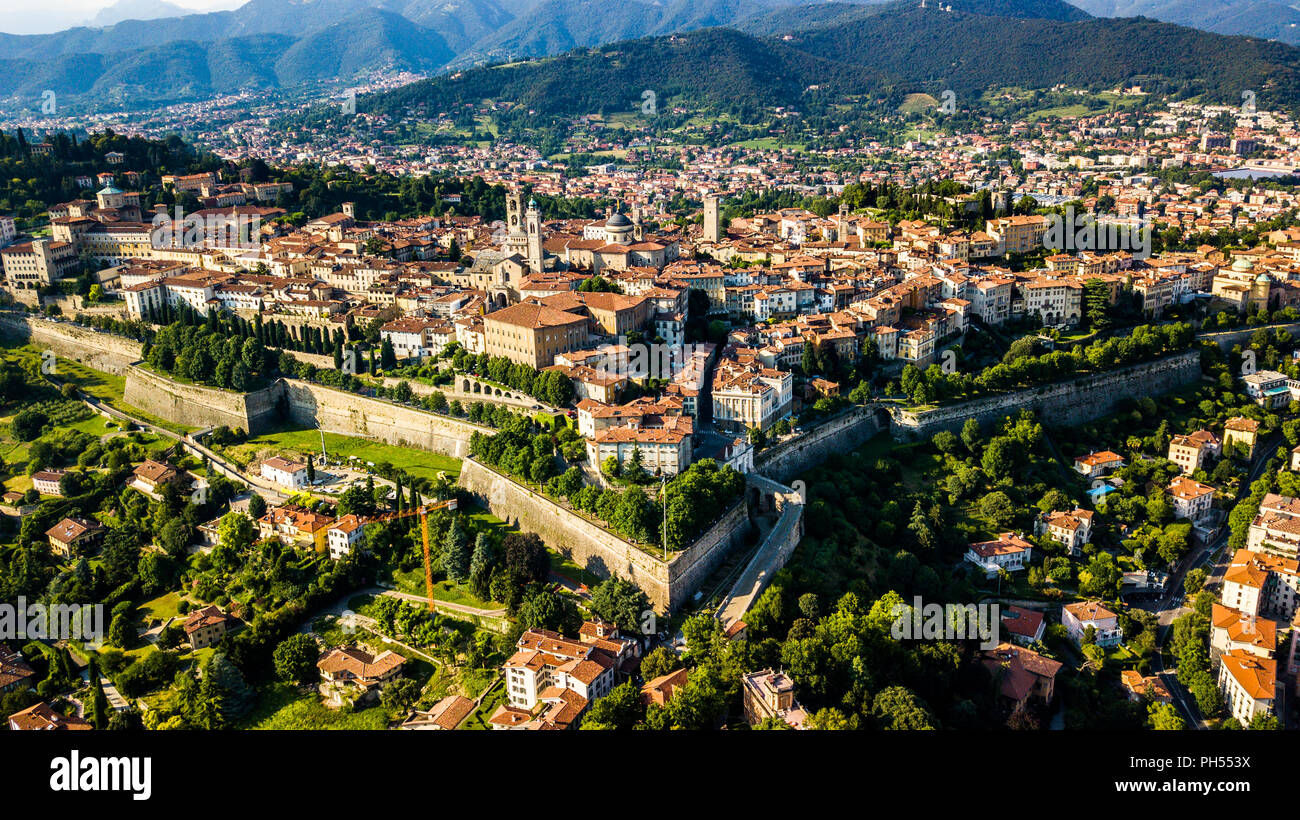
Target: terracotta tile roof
x=1245 y=629
x=1256 y=675
x=42 y=717
x=207 y=616
x=359 y=662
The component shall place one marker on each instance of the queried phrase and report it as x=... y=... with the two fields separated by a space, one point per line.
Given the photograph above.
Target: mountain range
x=281 y=43
x=1269 y=19
x=780 y=58
x=848 y=44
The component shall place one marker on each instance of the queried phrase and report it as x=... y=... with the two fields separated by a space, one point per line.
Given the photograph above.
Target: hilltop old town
x=317 y=415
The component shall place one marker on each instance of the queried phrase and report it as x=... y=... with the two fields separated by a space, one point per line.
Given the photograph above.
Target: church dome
x=618 y=221
x=1243 y=265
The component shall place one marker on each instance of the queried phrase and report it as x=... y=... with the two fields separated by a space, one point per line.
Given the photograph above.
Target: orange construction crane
x=423 y=511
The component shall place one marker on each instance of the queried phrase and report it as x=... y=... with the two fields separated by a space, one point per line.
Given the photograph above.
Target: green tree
x=620 y=602
x=295 y=659
x=621 y=709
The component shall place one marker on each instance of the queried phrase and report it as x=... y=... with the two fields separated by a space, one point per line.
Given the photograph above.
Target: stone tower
x=533 y=220
x=712 y=220
x=1001 y=202
x=516 y=239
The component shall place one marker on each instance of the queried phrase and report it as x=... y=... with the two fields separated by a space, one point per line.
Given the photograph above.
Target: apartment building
x=1017 y=234
x=551 y=679
x=1190 y=451
x=749 y=396
x=1191 y=499
x=1260 y=584
x=1248 y=684
x=1276 y=527
x=343 y=535
x=1231 y=630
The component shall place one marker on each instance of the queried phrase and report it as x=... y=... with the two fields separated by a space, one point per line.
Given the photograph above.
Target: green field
x=412 y=583
x=418 y=463
x=284 y=707
x=161 y=608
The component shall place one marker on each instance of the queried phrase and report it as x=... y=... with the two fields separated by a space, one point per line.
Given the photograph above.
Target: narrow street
x=1171 y=607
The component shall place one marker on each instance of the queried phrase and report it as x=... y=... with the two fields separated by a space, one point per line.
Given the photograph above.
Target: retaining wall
x=1069 y=402
x=102 y=351
x=668 y=584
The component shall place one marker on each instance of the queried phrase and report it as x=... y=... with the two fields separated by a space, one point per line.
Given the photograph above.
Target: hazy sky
x=21 y=17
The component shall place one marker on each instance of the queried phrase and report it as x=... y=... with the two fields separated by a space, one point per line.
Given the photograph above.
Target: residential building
x=46 y=482
x=1021 y=674
x=446 y=715
x=351 y=673
x=1261 y=584
x=1240 y=432
x=342 y=536
x=43 y=718
x=1139 y=687
x=660 y=690
x=1025 y=626
x=1008 y=552
x=1191 y=499
x=151 y=475
x=1073 y=529
x=1276 y=527
x=1077 y=618
x=206 y=626
x=551 y=679
x=1248 y=684
x=1268 y=389
x=296 y=526
x=75 y=536
x=284 y=472
x=1190 y=451
x=1094 y=465
x=15 y=674
x=1231 y=630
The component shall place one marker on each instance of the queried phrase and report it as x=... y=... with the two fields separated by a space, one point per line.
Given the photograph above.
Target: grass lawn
x=418 y=463
x=560 y=563
x=477 y=721
x=284 y=707
x=161 y=608
x=412 y=582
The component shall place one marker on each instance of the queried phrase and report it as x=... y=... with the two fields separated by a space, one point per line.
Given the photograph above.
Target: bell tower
x=533 y=218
